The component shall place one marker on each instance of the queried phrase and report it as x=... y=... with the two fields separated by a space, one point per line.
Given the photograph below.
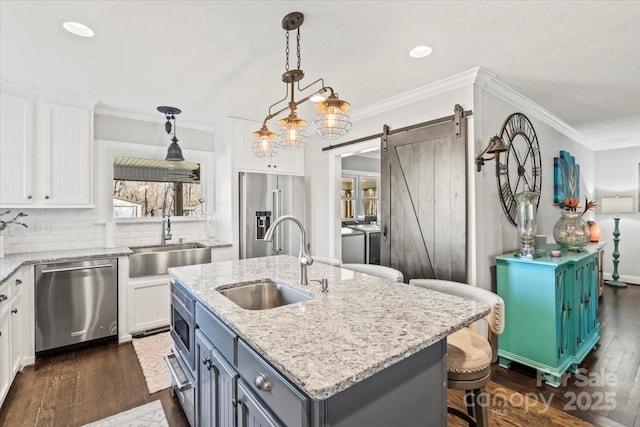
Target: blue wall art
x=566 y=178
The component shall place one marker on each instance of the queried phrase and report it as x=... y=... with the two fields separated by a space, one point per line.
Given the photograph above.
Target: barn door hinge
x=385 y=135
x=458 y=112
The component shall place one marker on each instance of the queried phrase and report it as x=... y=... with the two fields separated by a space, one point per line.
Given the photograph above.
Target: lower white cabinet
x=11 y=331
x=149 y=305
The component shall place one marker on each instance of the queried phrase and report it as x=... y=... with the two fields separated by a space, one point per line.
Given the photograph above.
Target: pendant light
x=265 y=144
x=174 y=152
x=331 y=121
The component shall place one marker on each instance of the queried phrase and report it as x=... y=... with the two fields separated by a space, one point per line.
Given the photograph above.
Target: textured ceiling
x=212 y=59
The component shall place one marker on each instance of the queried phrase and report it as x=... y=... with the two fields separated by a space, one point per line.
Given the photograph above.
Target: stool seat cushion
x=467 y=351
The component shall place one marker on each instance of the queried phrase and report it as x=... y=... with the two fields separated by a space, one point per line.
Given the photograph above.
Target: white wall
x=617 y=173
x=59 y=229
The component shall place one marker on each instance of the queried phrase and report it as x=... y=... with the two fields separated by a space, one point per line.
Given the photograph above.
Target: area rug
x=147 y=415
x=506 y=407
x=150 y=351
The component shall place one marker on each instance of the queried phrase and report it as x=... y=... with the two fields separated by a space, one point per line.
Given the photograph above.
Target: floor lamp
x=616 y=205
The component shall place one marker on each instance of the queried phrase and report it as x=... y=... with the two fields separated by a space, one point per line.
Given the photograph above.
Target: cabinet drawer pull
x=262 y=383
x=207 y=362
x=29 y=197
x=14 y=311
x=18 y=282
x=3 y=297
x=46 y=197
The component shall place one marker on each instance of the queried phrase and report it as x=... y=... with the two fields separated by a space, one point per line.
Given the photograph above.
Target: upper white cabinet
x=46 y=150
x=66 y=148
x=16 y=150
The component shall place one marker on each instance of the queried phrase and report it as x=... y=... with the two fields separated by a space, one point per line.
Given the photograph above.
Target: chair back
x=381 y=271
x=327 y=260
x=495 y=318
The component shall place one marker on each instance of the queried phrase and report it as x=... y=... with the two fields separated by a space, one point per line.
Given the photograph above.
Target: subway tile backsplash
x=61 y=229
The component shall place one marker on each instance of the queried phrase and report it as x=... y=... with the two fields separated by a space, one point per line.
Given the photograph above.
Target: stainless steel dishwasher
x=75 y=302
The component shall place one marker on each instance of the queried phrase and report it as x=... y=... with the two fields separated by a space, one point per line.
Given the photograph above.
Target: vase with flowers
x=4 y=224
x=571 y=231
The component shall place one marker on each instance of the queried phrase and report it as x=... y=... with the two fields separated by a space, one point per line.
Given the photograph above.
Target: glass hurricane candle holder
x=527 y=205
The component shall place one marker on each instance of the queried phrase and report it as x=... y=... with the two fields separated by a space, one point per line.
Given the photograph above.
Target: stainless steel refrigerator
x=263 y=198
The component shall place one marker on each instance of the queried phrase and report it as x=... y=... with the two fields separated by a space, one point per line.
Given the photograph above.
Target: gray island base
x=368 y=353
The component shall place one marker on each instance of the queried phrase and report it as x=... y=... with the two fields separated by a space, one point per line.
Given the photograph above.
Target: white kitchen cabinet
x=16 y=150
x=222 y=254
x=11 y=331
x=46 y=153
x=149 y=303
x=66 y=149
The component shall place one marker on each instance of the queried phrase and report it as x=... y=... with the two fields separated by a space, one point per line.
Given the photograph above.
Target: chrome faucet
x=304 y=257
x=166 y=219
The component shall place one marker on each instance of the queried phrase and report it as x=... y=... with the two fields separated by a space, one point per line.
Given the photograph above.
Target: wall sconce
x=494 y=147
x=616 y=205
x=174 y=153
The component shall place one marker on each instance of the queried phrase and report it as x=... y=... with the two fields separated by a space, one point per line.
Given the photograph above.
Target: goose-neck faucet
x=303 y=257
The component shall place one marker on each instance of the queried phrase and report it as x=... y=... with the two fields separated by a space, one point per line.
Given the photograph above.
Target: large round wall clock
x=519 y=168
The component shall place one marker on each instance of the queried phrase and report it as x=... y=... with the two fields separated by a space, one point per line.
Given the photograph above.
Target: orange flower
x=571 y=204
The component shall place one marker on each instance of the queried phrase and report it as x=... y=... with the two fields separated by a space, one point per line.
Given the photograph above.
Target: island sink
x=263 y=294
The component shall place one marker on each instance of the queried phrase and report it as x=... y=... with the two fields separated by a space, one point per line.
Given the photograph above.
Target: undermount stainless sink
x=263 y=294
x=153 y=260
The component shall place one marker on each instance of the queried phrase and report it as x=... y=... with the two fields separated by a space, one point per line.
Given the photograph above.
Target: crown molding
x=47 y=95
x=152 y=118
x=490 y=83
x=453 y=82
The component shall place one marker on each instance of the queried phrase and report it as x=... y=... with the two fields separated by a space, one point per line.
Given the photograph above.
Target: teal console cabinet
x=551 y=307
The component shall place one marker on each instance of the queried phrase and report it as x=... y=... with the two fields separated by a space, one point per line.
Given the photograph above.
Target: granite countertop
x=11 y=262
x=361 y=326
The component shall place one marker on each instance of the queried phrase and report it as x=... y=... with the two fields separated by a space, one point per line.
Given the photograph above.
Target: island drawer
x=220 y=335
x=286 y=402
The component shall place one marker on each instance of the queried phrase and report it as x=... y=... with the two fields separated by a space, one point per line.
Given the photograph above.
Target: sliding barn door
x=423 y=199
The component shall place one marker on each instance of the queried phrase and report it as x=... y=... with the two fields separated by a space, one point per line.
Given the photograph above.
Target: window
x=144 y=188
x=359 y=198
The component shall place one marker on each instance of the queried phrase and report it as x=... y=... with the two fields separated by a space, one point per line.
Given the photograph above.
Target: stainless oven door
x=182 y=386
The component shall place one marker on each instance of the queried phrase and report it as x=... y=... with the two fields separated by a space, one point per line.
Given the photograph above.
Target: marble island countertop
x=361 y=326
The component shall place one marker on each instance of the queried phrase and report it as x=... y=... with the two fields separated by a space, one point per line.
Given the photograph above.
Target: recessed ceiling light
x=78 y=29
x=420 y=51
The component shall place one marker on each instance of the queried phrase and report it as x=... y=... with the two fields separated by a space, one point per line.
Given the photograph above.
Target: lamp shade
x=617 y=204
x=174 y=152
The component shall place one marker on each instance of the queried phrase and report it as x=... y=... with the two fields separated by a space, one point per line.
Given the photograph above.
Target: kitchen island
x=367 y=352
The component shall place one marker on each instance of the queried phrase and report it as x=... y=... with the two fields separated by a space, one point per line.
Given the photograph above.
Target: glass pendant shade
x=174 y=153
x=265 y=144
x=331 y=121
x=292 y=135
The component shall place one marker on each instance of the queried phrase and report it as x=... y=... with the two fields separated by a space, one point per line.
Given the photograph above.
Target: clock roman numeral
x=506 y=194
x=537 y=170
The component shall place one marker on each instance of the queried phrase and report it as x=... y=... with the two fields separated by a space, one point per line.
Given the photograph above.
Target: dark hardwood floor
x=87 y=385
x=81 y=387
